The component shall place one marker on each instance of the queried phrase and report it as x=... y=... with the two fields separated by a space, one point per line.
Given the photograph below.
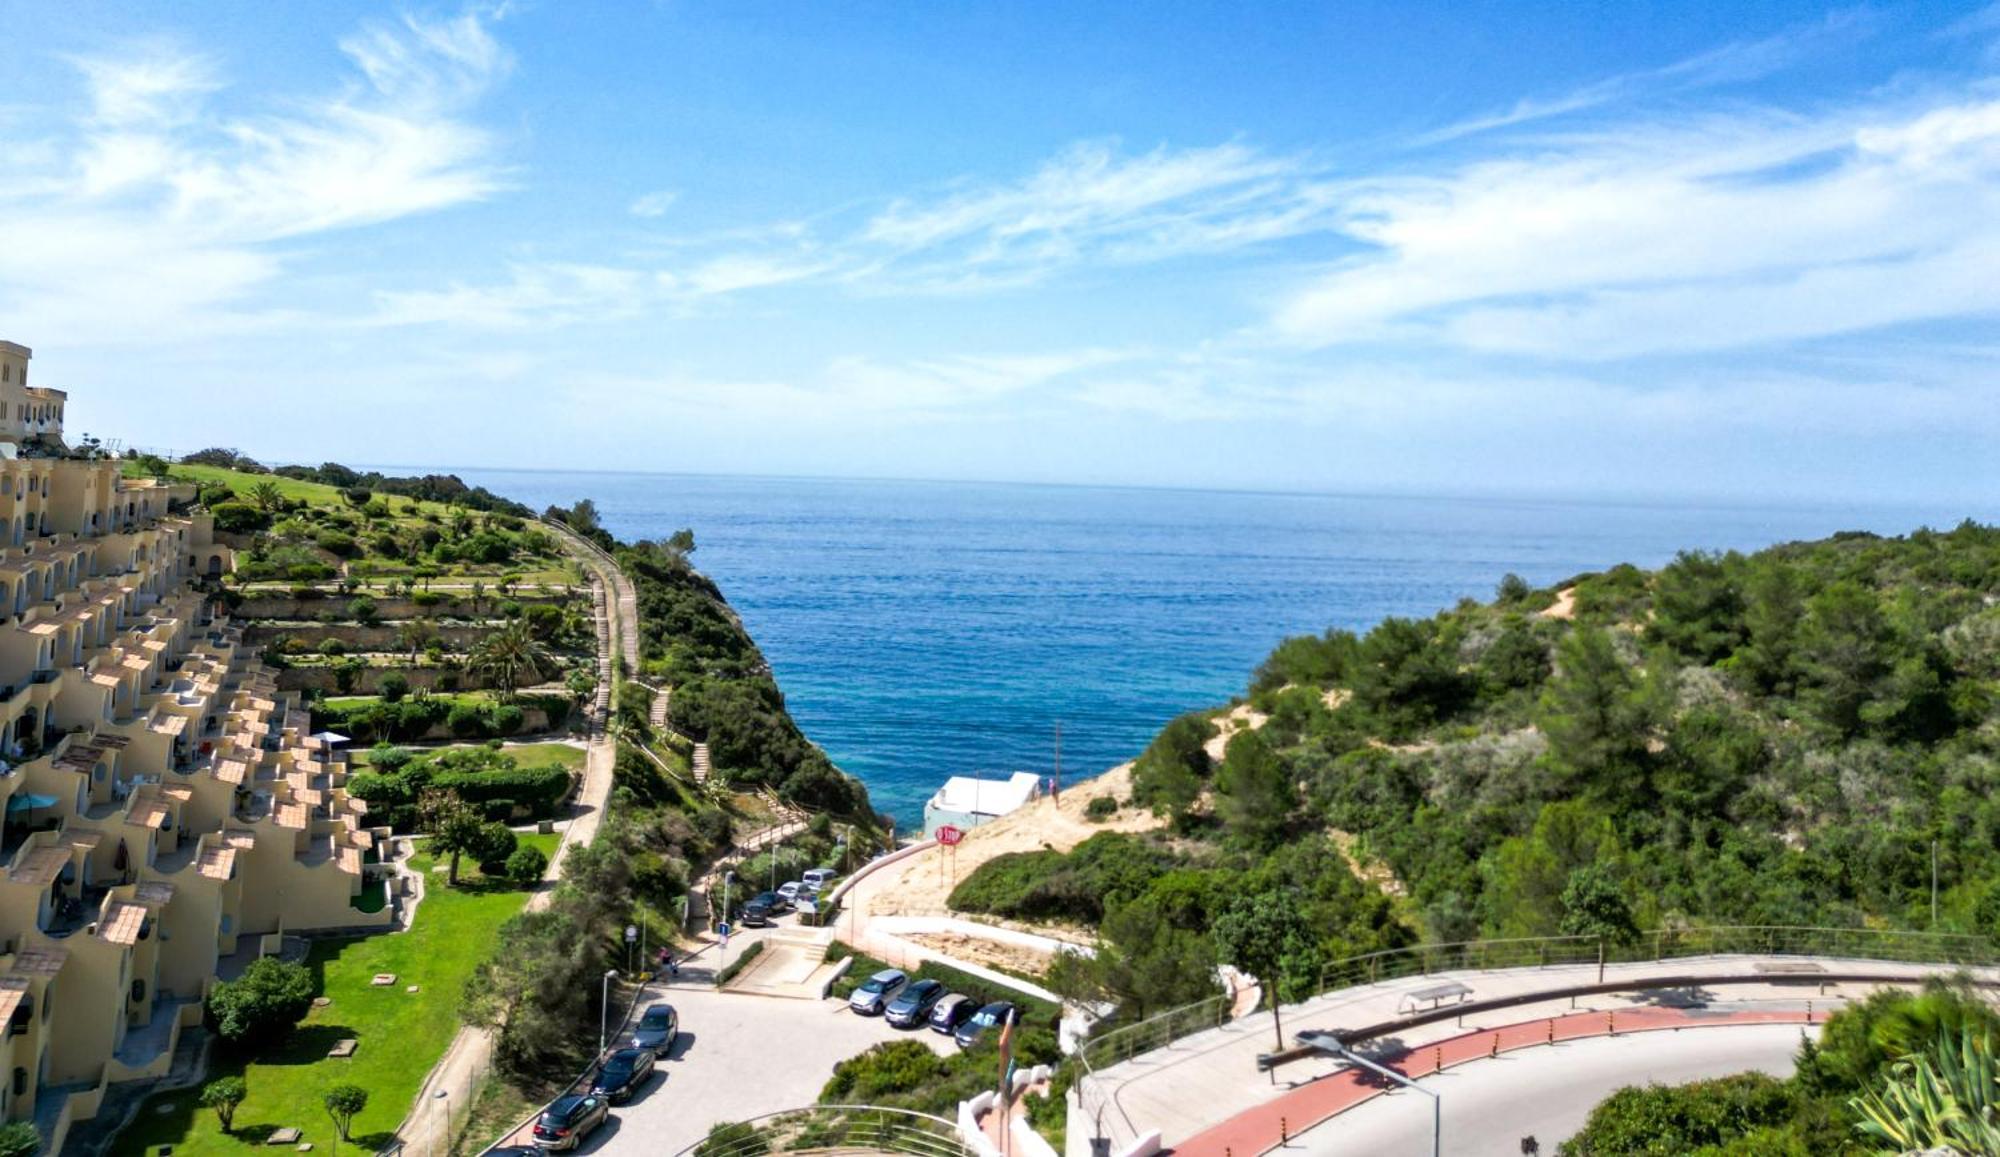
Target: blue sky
x=1748 y=251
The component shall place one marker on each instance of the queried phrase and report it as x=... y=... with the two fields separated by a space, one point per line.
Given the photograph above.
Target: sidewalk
x=1275 y=1122
x=1195 y=1084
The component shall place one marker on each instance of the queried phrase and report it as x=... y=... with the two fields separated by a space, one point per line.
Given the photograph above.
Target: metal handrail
x=844 y=1127
x=1886 y=944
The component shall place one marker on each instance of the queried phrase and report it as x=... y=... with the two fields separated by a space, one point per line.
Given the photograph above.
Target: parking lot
x=738 y=1056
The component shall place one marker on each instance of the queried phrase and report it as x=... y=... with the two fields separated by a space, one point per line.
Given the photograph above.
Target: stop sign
x=948 y=835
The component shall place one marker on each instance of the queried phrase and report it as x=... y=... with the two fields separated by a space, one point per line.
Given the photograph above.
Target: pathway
x=1489 y=1106
x=454 y=1081
x=1196 y=1083
x=700 y=764
x=1275 y=1122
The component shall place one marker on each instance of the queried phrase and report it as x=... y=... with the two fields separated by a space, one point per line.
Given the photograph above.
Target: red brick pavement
x=1268 y=1125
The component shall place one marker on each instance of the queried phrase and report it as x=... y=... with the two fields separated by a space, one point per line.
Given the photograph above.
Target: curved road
x=1546 y=1093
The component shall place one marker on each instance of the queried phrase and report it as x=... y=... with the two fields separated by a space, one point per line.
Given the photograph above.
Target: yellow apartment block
x=166 y=812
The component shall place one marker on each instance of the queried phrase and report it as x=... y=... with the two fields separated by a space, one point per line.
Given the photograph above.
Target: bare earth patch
x=1563 y=608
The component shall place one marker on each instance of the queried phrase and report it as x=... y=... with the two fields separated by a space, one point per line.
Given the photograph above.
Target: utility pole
x=1055 y=781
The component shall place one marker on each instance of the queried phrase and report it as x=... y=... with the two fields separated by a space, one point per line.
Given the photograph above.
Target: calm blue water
x=922 y=630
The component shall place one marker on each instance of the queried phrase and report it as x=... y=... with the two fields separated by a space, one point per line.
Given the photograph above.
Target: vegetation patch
x=401 y=1034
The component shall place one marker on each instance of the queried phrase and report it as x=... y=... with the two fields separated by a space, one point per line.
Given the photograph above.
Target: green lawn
x=401 y=1035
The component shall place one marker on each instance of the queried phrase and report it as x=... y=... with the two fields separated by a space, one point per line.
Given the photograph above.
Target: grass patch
x=401 y=1034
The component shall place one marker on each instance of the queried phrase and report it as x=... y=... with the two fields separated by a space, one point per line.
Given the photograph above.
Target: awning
x=22 y=803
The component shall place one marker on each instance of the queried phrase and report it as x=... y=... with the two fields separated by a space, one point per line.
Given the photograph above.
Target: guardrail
x=863 y=1128
x=1537 y=952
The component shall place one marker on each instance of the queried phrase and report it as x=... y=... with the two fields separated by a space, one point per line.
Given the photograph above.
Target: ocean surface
x=927 y=629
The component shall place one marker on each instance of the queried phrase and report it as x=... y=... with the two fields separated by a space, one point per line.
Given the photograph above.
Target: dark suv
x=624 y=1072
x=761 y=908
x=912 y=1006
x=568 y=1120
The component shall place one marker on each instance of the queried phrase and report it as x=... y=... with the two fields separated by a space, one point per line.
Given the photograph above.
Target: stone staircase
x=662 y=696
x=700 y=762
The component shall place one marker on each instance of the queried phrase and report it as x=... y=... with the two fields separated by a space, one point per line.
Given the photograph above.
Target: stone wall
x=368 y=681
x=368 y=637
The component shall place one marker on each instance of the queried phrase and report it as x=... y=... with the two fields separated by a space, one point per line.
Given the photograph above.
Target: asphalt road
x=1546 y=1093
x=739 y=1056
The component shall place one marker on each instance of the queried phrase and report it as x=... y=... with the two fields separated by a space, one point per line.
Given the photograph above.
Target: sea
x=922 y=630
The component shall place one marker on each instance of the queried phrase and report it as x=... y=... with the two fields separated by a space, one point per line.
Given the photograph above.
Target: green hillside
x=1779 y=738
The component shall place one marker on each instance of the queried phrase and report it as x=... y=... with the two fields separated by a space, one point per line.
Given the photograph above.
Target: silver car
x=877 y=991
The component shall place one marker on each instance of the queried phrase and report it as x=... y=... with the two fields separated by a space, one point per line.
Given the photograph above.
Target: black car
x=992 y=1016
x=568 y=1120
x=622 y=1074
x=912 y=1006
x=761 y=908
x=951 y=1011
x=657 y=1029
x=513 y=1151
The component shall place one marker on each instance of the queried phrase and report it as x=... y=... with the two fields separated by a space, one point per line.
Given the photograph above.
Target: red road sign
x=948 y=835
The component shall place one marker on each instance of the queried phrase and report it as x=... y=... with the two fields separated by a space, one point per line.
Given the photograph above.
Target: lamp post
x=604 y=1012
x=1329 y=1042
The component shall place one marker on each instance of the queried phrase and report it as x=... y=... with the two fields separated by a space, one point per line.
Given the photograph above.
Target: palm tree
x=510 y=657
x=478 y=595
x=267 y=497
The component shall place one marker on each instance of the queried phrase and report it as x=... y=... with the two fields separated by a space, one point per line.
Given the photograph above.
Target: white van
x=816 y=879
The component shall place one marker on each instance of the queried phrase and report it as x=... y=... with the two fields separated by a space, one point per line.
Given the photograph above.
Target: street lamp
x=1327 y=1042
x=604 y=1012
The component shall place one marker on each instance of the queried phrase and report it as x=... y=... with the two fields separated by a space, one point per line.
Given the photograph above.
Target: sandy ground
x=1564 y=607
x=919 y=885
x=1239 y=718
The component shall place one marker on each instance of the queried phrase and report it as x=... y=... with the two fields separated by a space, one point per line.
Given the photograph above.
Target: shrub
x=1101 y=808
x=734 y=1138
x=239 y=518
x=333 y=648
x=508 y=719
x=394 y=686
x=737 y=965
x=223 y=1096
x=499 y=809
x=263 y=1004
x=336 y=543
x=361 y=609
x=466 y=719
x=526 y=865
x=491 y=846
x=20 y=1139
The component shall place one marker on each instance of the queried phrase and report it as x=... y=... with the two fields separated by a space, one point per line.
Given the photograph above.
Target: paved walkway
x=1488 y=1106
x=1195 y=1084
x=448 y=1091
x=1276 y=1121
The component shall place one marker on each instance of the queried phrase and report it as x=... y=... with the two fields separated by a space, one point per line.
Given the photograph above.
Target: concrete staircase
x=700 y=762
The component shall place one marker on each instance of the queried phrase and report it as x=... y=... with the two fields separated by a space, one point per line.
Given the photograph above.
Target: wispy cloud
x=1735 y=231
x=654 y=204
x=159 y=201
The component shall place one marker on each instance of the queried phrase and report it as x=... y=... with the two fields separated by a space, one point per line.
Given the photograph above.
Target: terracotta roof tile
x=153 y=893
x=217 y=863
x=13 y=990
x=38 y=867
x=121 y=923
x=350 y=861
x=293 y=815
x=46 y=960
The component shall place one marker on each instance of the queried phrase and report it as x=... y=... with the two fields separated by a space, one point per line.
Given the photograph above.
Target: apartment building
x=167 y=813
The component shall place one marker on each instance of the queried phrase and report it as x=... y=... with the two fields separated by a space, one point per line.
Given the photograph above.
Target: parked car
x=790 y=891
x=951 y=1011
x=622 y=1074
x=658 y=1028
x=992 y=1016
x=877 y=991
x=513 y=1151
x=818 y=878
x=568 y=1120
x=762 y=910
x=912 y=1006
